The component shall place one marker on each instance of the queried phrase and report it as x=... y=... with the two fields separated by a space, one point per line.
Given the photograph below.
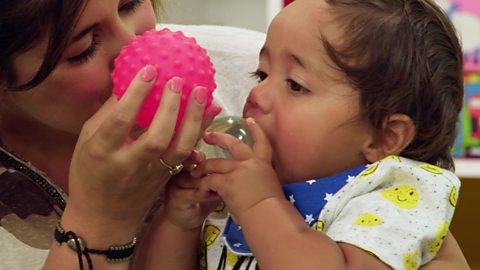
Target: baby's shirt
x=397 y=209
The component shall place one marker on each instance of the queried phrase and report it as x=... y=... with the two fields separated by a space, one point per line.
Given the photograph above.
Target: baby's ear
x=397 y=133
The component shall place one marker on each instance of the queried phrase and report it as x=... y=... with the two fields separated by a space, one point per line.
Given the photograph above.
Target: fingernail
x=207 y=134
x=149 y=73
x=201 y=94
x=214 y=110
x=194 y=174
x=250 y=121
x=176 y=84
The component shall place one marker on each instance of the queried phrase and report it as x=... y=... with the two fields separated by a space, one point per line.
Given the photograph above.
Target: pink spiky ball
x=172 y=54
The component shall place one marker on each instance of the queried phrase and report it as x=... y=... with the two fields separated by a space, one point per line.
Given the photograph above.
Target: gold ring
x=172 y=169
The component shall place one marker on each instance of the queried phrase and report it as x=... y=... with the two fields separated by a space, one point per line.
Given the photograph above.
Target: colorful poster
x=465 y=15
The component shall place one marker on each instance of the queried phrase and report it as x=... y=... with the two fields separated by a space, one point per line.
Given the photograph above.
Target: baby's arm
x=280 y=239
x=167 y=246
x=172 y=239
x=449 y=257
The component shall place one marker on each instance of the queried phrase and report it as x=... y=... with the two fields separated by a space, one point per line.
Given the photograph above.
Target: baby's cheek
x=293 y=157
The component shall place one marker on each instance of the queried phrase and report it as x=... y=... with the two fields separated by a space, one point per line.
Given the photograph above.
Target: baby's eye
x=296 y=87
x=259 y=75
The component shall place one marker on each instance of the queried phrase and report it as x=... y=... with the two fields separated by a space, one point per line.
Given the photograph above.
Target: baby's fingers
x=188 y=190
x=238 y=149
x=184 y=181
x=213 y=183
x=191 y=162
x=214 y=165
x=261 y=145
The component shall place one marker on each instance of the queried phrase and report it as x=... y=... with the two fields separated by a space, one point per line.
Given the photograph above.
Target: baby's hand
x=246 y=180
x=186 y=206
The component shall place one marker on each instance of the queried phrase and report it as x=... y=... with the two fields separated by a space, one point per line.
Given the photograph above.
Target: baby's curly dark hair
x=404 y=56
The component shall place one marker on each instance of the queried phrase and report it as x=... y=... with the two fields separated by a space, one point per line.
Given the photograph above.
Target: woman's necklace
x=37 y=176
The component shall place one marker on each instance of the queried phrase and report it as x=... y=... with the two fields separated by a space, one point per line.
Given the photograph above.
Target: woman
x=55 y=76
x=61 y=132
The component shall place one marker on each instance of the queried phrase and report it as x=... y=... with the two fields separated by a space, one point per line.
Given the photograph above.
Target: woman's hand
x=115 y=177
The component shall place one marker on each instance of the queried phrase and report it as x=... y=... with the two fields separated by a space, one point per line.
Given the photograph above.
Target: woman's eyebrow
x=84 y=32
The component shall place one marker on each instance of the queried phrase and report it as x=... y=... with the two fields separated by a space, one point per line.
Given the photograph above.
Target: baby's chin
x=283 y=178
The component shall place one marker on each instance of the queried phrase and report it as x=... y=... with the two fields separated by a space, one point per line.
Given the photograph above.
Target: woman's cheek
x=145 y=18
x=91 y=80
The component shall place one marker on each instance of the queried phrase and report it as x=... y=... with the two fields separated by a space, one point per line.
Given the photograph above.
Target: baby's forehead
x=322 y=20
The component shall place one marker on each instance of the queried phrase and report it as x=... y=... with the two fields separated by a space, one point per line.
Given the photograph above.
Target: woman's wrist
x=97 y=231
x=88 y=239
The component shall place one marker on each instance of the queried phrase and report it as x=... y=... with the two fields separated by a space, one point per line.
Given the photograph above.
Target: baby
x=353 y=119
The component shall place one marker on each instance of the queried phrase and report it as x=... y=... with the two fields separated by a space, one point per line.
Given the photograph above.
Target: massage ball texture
x=172 y=54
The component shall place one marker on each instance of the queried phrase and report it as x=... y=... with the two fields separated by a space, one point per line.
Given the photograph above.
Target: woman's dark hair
x=404 y=57
x=25 y=22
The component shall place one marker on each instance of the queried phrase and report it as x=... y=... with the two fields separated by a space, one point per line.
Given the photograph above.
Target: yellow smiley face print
x=210 y=234
x=370 y=170
x=431 y=168
x=411 y=260
x=404 y=196
x=396 y=158
x=435 y=245
x=319 y=225
x=202 y=262
x=453 y=198
x=220 y=208
x=368 y=220
x=232 y=258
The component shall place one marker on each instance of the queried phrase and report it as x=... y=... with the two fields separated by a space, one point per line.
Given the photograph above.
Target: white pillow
x=234 y=53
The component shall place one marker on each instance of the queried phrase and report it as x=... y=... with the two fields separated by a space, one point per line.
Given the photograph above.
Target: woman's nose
x=121 y=35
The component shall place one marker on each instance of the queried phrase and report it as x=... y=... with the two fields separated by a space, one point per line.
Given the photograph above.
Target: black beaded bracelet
x=113 y=254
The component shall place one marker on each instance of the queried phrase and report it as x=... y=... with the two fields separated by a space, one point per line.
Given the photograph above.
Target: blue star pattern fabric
x=308 y=197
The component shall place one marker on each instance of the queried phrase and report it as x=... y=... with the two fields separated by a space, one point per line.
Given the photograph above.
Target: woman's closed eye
x=130 y=6
x=87 y=53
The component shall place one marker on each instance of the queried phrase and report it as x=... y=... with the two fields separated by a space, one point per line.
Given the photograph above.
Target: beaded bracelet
x=113 y=254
